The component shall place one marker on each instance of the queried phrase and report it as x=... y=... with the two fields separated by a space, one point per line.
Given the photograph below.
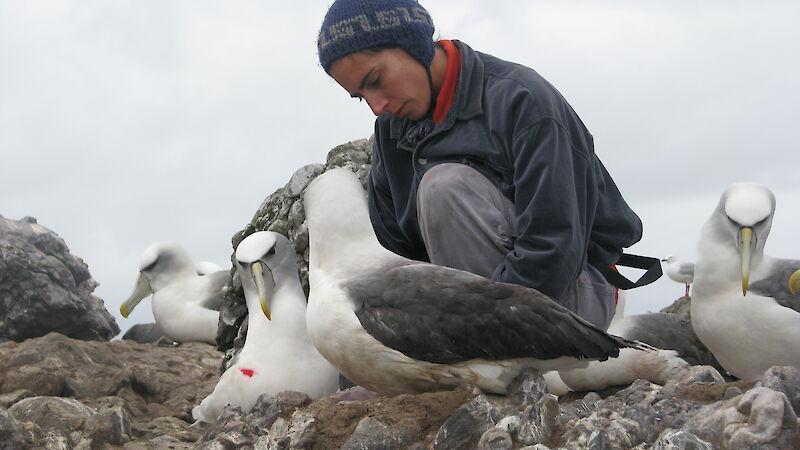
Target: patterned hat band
x=351 y=26
x=376 y=21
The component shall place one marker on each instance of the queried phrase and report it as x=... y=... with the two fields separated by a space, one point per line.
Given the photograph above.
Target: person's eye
x=376 y=83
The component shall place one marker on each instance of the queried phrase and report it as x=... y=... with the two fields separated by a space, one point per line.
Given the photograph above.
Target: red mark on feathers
x=247 y=372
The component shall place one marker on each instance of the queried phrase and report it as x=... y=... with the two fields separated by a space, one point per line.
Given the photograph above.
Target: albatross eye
x=150 y=266
x=760 y=222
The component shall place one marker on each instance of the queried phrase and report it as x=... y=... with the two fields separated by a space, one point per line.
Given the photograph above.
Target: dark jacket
x=510 y=124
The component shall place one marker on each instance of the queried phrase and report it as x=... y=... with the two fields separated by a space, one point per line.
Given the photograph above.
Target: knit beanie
x=354 y=25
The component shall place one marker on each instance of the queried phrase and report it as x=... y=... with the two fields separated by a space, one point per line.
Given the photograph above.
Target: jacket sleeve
x=382 y=212
x=555 y=200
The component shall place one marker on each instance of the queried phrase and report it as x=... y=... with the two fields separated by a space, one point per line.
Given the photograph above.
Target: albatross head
x=258 y=257
x=746 y=210
x=160 y=264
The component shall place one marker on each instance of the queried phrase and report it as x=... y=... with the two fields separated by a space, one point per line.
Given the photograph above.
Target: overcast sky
x=123 y=123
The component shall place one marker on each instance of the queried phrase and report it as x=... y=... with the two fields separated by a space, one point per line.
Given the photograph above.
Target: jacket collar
x=468 y=99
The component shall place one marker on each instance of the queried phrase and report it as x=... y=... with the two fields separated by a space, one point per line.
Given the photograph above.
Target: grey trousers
x=466 y=223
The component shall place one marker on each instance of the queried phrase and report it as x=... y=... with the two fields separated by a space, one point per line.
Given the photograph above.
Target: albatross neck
x=288 y=311
x=340 y=231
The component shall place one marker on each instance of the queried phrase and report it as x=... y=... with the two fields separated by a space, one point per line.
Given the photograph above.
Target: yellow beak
x=264 y=296
x=794 y=282
x=141 y=290
x=746 y=244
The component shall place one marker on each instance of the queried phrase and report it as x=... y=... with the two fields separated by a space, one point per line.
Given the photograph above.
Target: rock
x=680 y=440
x=165 y=427
x=229 y=439
x=44 y=288
x=371 y=433
x=145 y=375
x=302 y=431
x=618 y=418
x=572 y=410
x=231 y=419
x=269 y=408
x=759 y=418
x=6 y=400
x=109 y=426
x=496 y=438
x=144 y=333
x=58 y=414
x=527 y=388
x=697 y=381
x=466 y=425
x=786 y=380
x=681 y=307
x=411 y=419
x=604 y=429
x=538 y=422
x=12 y=434
x=599 y=440
x=282 y=211
x=160 y=442
x=302 y=177
x=139 y=391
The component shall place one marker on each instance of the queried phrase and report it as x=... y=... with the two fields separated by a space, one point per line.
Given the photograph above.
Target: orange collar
x=448 y=90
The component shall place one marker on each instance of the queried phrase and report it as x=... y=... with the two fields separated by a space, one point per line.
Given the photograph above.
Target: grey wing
x=216 y=289
x=443 y=315
x=776 y=284
x=686 y=269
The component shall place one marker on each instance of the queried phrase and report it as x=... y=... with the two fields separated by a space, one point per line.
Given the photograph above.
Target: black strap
x=652 y=267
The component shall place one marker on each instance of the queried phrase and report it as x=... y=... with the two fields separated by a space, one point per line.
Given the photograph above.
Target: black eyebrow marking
x=364 y=80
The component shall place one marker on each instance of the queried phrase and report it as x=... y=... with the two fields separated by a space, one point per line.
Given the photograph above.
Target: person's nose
x=377 y=103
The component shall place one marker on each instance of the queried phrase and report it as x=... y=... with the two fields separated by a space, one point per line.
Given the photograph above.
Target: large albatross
x=394 y=325
x=185 y=305
x=277 y=354
x=742 y=306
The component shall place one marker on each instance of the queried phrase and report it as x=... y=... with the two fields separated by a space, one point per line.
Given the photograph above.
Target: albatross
x=394 y=325
x=185 y=305
x=742 y=305
x=277 y=354
x=679 y=349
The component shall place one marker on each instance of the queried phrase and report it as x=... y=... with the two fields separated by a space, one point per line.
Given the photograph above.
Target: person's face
x=390 y=80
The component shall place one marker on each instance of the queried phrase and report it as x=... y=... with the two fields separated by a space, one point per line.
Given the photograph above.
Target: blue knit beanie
x=354 y=25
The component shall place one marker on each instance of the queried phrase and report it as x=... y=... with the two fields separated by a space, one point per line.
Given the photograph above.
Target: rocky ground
x=62 y=393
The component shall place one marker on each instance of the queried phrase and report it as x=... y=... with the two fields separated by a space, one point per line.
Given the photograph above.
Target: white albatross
x=742 y=308
x=393 y=325
x=185 y=305
x=277 y=354
x=679 y=349
x=679 y=271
